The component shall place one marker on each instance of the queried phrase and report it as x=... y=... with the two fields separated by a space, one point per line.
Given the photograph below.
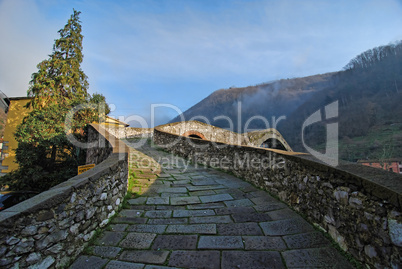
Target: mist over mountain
x=273 y=99
x=369 y=95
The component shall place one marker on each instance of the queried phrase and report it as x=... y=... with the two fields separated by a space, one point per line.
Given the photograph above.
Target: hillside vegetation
x=368 y=91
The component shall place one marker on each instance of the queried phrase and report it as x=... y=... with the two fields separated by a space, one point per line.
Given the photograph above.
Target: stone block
x=118 y=227
x=315 y=258
x=168 y=221
x=306 y=240
x=184 y=200
x=252 y=259
x=110 y=238
x=395 y=232
x=129 y=220
x=174 y=194
x=250 y=217
x=88 y=262
x=159 y=267
x=264 y=243
x=144 y=256
x=137 y=240
x=124 y=265
x=175 y=242
x=216 y=198
x=205 y=188
x=158 y=201
x=234 y=210
x=203 y=182
x=143 y=207
x=192 y=213
x=285 y=213
x=220 y=242
x=171 y=207
x=106 y=251
x=206 y=206
x=195 y=259
x=211 y=219
x=239 y=229
x=158 y=214
x=286 y=227
x=137 y=201
x=181 y=182
x=270 y=206
x=192 y=228
x=239 y=203
x=202 y=193
x=146 y=228
x=131 y=213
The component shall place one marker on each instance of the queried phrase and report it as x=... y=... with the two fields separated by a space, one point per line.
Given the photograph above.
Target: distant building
x=114 y=122
x=16 y=113
x=392 y=165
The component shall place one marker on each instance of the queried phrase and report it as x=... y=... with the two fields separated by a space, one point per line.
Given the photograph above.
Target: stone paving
x=197 y=217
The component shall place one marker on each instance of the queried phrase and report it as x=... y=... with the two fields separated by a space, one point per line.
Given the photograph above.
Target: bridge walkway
x=198 y=217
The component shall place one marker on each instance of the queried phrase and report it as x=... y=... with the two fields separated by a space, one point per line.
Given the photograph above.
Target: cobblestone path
x=197 y=217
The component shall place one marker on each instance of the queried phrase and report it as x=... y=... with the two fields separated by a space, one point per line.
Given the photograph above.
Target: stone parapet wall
x=52 y=228
x=358 y=206
x=99 y=148
x=128 y=132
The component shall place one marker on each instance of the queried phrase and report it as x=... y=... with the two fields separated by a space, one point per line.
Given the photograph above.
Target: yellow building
x=16 y=113
x=114 y=122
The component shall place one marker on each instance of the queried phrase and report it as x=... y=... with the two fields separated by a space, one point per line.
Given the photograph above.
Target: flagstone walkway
x=197 y=217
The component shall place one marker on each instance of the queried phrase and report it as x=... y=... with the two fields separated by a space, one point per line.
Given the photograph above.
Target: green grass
x=131 y=178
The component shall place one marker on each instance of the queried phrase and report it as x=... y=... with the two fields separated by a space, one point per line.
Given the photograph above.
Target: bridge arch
x=268 y=138
x=273 y=143
x=194 y=134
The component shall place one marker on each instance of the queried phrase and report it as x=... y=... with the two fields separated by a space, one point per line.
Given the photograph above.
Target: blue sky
x=139 y=53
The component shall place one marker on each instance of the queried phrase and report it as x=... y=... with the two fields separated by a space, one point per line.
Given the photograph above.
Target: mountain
x=275 y=98
x=369 y=95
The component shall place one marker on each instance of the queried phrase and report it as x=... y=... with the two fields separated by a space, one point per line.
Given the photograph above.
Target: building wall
x=109 y=121
x=393 y=166
x=15 y=115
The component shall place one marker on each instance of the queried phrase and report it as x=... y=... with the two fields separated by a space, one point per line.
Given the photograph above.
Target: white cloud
x=129 y=48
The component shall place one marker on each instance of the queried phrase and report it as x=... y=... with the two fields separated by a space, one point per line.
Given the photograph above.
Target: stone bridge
x=200 y=203
x=269 y=138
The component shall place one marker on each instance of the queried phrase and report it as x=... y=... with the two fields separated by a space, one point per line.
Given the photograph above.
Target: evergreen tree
x=60 y=78
x=44 y=154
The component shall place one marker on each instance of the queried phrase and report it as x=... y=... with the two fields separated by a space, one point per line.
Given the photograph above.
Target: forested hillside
x=368 y=90
x=275 y=98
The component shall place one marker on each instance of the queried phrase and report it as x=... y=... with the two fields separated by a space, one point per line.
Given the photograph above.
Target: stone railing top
x=117 y=145
x=262 y=150
x=194 y=122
